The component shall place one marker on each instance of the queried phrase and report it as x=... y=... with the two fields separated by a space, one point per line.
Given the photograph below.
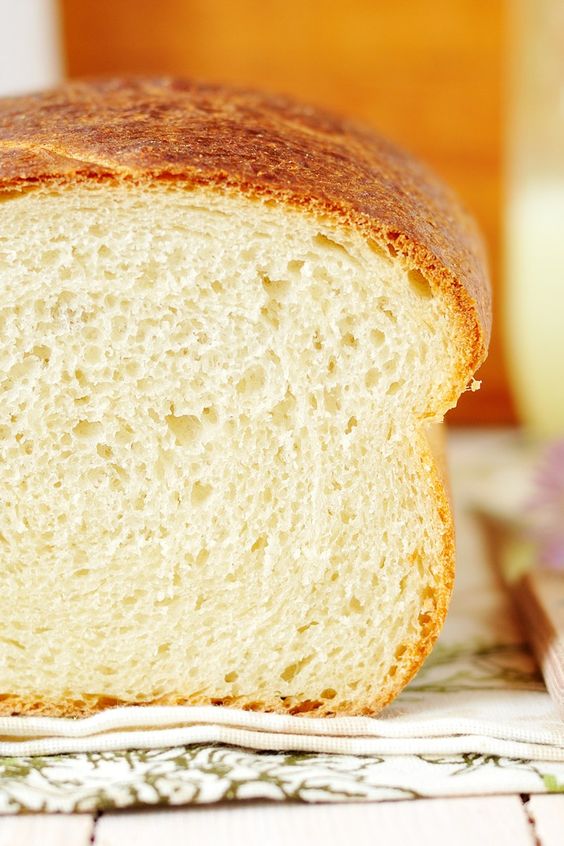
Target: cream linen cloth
x=476 y=719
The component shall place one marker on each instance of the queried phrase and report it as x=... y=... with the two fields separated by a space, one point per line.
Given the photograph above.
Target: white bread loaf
x=227 y=322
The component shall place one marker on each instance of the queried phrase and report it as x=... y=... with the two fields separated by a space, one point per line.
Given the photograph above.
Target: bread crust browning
x=198 y=134
x=154 y=131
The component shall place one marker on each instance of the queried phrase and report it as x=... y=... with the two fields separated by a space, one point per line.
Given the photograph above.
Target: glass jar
x=534 y=234
x=30 y=55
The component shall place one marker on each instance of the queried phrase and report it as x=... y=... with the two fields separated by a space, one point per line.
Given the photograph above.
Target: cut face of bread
x=215 y=482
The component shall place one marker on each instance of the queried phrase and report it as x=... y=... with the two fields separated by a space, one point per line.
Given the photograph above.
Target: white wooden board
x=499 y=821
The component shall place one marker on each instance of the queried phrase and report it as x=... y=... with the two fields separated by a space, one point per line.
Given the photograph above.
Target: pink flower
x=547 y=506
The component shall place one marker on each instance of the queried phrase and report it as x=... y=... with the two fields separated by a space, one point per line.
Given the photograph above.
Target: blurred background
x=473 y=87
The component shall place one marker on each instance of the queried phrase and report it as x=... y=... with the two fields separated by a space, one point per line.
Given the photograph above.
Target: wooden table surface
x=499 y=820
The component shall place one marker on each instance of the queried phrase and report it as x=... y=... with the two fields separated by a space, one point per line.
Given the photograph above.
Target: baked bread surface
x=148 y=129
x=110 y=142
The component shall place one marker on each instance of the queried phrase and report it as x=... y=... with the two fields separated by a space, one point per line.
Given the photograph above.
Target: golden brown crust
x=158 y=130
x=200 y=134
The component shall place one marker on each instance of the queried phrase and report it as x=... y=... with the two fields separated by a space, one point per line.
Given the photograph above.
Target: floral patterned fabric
x=205 y=774
x=476 y=719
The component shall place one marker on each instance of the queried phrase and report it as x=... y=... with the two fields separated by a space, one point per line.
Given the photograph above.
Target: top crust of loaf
x=157 y=129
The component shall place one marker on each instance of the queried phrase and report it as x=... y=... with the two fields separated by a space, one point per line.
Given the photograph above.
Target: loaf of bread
x=227 y=322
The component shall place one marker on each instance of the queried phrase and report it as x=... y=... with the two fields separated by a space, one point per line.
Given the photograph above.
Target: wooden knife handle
x=540 y=597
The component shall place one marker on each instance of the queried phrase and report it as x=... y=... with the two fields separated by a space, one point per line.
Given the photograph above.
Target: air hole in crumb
x=282 y=410
x=419 y=284
x=295 y=266
x=80 y=377
x=200 y=492
x=42 y=352
x=275 y=288
x=377 y=337
x=253 y=706
x=324 y=241
x=86 y=429
x=352 y=422
x=392 y=250
x=393 y=670
x=259 y=544
x=394 y=388
x=217 y=287
x=355 y=605
x=8 y=196
x=328 y=693
x=306 y=626
x=332 y=400
x=202 y=557
x=106 y=671
x=270 y=314
x=372 y=377
x=400 y=651
x=349 y=340
x=252 y=381
x=104 y=451
x=387 y=310
x=209 y=414
x=378 y=249
x=292 y=670
x=231 y=677
x=184 y=427
x=305 y=707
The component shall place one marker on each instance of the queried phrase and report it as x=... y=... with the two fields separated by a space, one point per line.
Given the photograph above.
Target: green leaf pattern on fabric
x=206 y=774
